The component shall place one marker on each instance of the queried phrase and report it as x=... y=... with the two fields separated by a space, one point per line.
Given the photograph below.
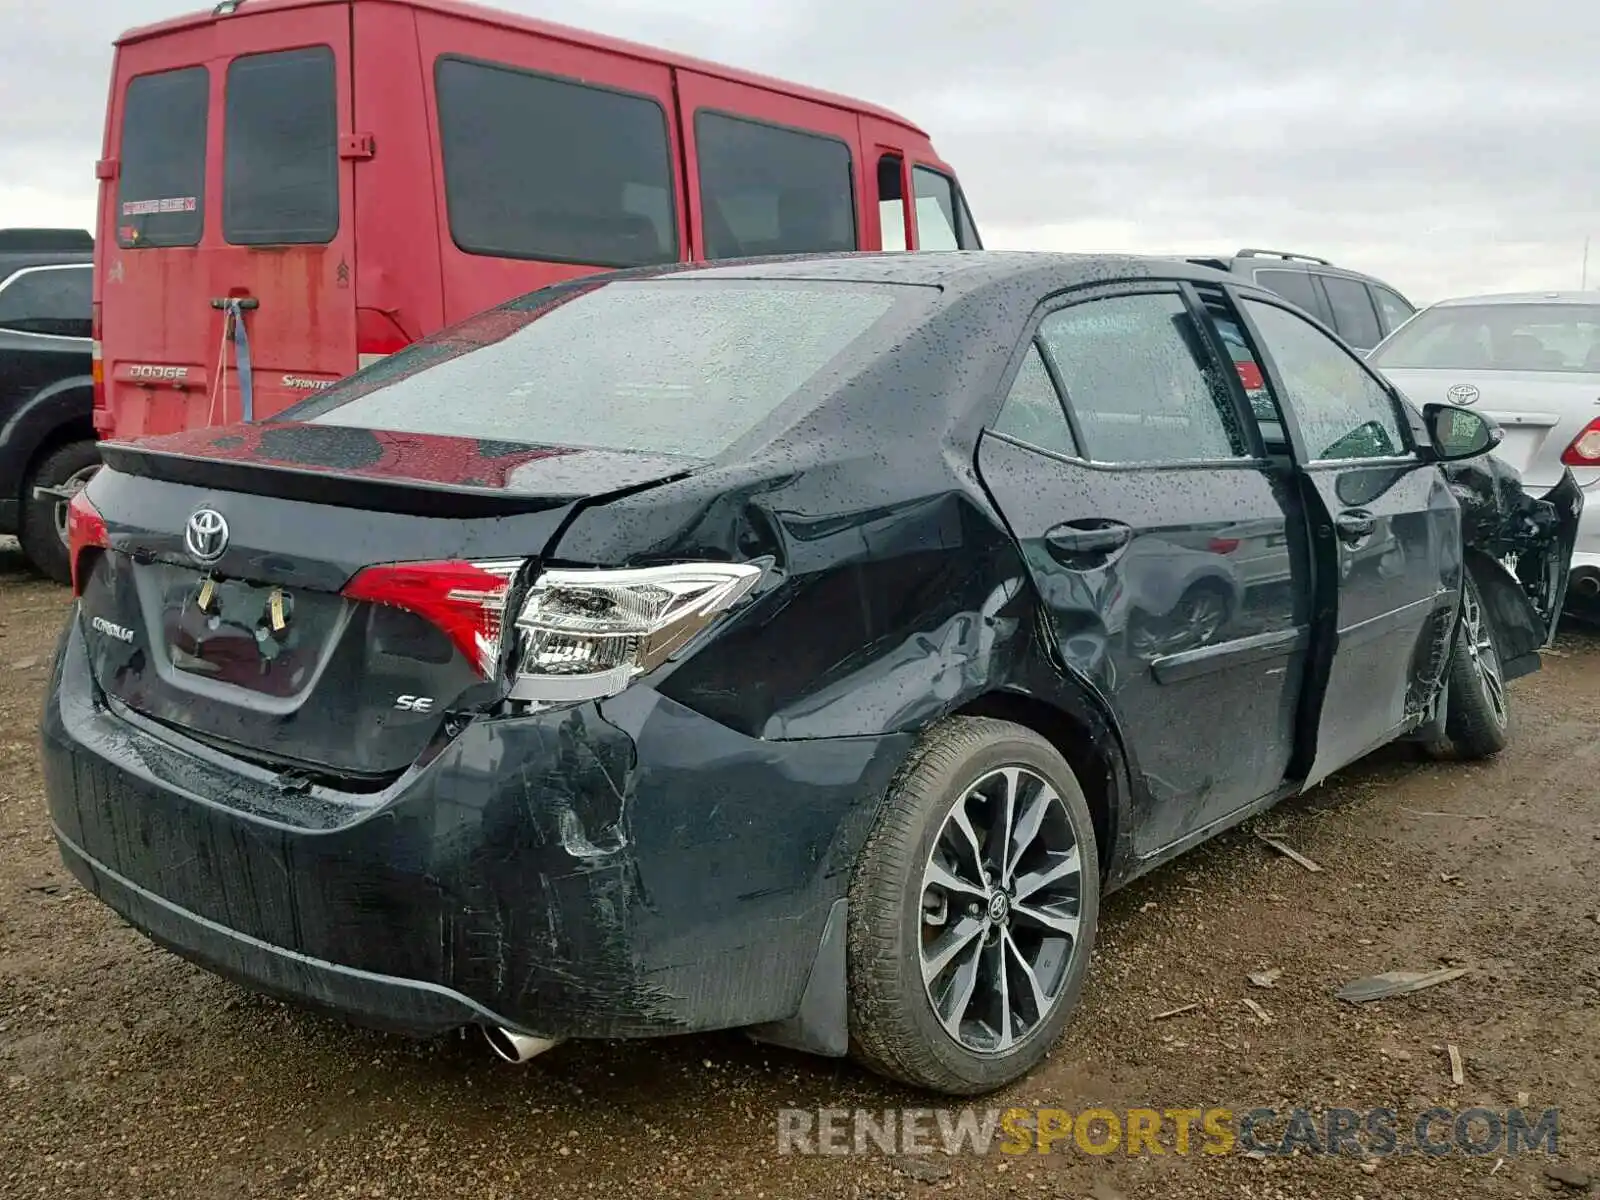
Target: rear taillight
x=587 y=634
x=97 y=359
x=86 y=530
x=466 y=600
x=1221 y=545
x=1585 y=448
x=377 y=335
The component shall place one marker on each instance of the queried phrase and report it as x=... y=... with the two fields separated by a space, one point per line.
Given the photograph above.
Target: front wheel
x=1477 y=719
x=973 y=910
x=65 y=471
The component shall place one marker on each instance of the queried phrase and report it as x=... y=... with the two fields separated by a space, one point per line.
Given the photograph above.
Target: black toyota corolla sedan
x=800 y=646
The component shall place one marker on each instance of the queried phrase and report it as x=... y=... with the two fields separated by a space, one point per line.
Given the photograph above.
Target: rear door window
x=54 y=301
x=162 y=176
x=1394 y=308
x=281 y=149
x=1298 y=288
x=553 y=170
x=1141 y=382
x=1032 y=412
x=1353 y=314
x=768 y=190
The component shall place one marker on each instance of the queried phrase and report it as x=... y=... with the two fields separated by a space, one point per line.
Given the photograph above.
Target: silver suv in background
x=1361 y=309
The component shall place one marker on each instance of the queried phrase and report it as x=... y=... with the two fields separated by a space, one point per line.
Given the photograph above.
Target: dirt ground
x=126 y=1072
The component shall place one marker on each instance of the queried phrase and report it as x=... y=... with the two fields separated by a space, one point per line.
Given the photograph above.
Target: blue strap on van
x=233 y=329
x=241 y=359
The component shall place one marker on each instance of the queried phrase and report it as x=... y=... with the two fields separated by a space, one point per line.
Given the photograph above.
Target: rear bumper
x=625 y=870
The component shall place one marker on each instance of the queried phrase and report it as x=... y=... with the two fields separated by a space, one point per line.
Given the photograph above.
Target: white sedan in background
x=1532 y=363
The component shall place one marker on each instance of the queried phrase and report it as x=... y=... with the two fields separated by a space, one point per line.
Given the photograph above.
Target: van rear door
x=228 y=179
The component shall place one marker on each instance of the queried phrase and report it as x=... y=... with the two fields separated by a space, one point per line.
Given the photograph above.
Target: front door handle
x=1355 y=525
x=1078 y=539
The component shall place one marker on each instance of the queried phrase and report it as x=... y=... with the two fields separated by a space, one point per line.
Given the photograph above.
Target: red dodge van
x=292 y=187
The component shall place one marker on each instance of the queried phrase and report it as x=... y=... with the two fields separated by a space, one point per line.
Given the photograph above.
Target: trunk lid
x=226 y=181
x=1540 y=411
x=244 y=599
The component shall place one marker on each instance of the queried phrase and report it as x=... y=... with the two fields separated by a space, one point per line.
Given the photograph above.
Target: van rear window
x=162 y=178
x=281 y=149
x=767 y=190
x=706 y=363
x=541 y=168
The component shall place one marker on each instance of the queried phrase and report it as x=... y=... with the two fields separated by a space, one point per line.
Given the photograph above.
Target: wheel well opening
x=62 y=435
x=1093 y=765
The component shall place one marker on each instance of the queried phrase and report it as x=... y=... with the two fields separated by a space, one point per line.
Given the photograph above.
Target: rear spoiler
x=410 y=497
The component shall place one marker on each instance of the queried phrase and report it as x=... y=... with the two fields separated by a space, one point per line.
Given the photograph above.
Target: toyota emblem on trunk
x=206 y=535
x=1462 y=393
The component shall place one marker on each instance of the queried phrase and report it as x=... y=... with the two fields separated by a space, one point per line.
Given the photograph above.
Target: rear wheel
x=1478 y=718
x=43 y=528
x=972 y=910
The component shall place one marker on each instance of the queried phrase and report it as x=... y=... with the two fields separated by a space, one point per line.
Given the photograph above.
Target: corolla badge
x=206 y=535
x=1462 y=393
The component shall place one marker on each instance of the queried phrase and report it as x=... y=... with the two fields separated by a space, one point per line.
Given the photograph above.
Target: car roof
x=959 y=270
x=554 y=31
x=1507 y=298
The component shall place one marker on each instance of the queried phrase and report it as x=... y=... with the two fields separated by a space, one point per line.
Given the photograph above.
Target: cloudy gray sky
x=1445 y=145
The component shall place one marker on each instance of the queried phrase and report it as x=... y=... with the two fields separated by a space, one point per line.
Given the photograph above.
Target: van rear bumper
x=624 y=870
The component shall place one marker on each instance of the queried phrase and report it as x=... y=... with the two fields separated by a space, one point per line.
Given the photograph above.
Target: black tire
x=42 y=540
x=1478 y=718
x=894 y=1028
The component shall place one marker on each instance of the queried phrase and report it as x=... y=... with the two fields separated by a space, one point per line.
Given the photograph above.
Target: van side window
x=542 y=168
x=936 y=211
x=766 y=190
x=891 y=203
x=280 y=175
x=162 y=178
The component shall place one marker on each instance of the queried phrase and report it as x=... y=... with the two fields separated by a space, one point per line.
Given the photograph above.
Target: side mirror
x=1459 y=433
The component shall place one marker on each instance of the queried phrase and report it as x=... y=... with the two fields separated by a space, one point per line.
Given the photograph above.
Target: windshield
x=1497 y=337
x=685 y=367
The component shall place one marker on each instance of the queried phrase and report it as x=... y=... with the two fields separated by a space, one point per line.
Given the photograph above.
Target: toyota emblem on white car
x=1463 y=393
x=206 y=535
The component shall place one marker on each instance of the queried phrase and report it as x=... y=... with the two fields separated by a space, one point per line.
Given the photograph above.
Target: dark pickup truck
x=47 y=442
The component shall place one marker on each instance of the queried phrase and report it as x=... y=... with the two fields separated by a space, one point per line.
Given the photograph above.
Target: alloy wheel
x=1002 y=894
x=64 y=492
x=1479 y=644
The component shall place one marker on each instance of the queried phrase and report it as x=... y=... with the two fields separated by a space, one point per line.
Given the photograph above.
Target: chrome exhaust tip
x=517 y=1047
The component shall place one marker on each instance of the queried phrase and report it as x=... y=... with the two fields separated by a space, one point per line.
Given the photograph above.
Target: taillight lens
x=1585 y=448
x=377 y=335
x=587 y=634
x=467 y=600
x=97 y=366
x=1221 y=545
x=86 y=530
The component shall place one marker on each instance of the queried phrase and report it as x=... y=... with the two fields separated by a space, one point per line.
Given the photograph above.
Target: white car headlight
x=587 y=634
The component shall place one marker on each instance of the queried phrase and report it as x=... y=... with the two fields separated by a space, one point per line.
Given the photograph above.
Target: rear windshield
x=1497 y=337
x=685 y=368
x=161 y=193
x=281 y=149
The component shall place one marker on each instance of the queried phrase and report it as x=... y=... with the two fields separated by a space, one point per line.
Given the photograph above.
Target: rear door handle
x=1085 y=538
x=1355 y=525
